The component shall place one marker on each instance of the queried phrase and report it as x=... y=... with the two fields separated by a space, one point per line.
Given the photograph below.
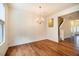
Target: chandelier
x=40 y=18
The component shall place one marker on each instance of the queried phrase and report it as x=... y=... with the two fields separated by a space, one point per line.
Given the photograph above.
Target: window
x=77 y=29
x=2 y=20
x=1 y=31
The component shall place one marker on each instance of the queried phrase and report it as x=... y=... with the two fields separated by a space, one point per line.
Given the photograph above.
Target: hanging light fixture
x=40 y=18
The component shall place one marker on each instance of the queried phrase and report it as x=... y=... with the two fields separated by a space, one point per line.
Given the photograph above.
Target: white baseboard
x=25 y=41
x=67 y=37
x=19 y=43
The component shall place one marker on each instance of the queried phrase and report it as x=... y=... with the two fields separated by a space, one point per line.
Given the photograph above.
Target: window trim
x=3 y=21
x=3 y=32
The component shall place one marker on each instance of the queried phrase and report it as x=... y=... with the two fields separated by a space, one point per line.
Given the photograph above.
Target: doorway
x=68 y=27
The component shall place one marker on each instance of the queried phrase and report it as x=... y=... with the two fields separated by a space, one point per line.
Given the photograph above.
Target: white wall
x=4 y=45
x=24 y=28
x=52 y=32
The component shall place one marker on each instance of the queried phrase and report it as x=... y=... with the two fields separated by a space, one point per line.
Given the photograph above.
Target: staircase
x=60 y=21
x=60 y=31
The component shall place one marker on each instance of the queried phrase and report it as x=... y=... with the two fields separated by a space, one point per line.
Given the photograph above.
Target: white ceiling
x=47 y=8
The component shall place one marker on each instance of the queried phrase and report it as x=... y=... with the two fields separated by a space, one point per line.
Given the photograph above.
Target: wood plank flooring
x=44 y=48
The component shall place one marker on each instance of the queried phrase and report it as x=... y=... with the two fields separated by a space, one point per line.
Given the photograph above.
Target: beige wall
x=24 y=28
x=66 y=27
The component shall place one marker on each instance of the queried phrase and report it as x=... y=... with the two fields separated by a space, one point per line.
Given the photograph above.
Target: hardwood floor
x=44 y=48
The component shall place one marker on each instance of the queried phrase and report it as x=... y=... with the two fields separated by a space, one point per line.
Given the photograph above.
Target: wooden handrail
x=60 y=21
